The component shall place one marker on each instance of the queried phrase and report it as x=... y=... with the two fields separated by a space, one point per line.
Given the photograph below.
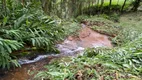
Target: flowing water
x=69 y=47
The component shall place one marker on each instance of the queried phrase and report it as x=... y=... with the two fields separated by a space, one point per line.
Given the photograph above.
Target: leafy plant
x=123 y=62
x=6 y=47
x=26 y=25
x=117 y=63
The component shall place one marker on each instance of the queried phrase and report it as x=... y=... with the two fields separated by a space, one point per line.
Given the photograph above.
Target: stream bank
x=71 y=46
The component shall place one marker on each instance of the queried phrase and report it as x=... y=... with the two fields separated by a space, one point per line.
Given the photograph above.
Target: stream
x=71 y=46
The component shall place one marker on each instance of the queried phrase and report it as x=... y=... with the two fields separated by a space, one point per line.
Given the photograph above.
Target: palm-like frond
x=6 y=47
x=25 y=26
x=11 y=34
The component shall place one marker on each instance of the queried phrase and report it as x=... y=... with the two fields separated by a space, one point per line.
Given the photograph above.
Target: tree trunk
x=23 y=3
x=123 y=5
x=98 y=4
x=117 y=2
x=101 y=6
x=110 y=5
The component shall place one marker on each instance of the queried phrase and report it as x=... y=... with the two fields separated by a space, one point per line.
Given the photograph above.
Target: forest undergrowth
x=122 y=62
x=25 y=28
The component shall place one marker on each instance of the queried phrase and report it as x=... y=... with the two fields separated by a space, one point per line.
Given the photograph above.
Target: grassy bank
x=123 y=62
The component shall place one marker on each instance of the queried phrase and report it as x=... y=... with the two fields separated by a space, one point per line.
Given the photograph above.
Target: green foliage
x=104 y=25
x=114 y=17
x=68 y=9
x=70 y=27
x=6 y=47
x=130 y=30
x=26 y=25
x=121 y=62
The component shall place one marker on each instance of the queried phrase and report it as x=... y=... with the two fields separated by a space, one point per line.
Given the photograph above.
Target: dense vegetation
x=29 y=25
x=64 y=8
x=25 y=26
x=123 y=62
